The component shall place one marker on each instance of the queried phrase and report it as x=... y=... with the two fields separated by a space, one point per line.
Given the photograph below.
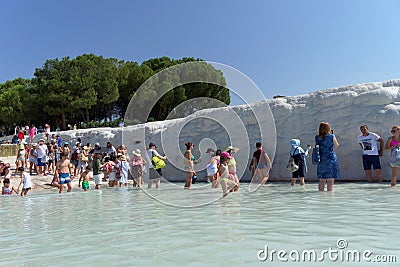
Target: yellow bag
x=157 y=162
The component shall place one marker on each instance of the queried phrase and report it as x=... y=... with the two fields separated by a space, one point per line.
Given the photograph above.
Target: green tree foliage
x=92 y=88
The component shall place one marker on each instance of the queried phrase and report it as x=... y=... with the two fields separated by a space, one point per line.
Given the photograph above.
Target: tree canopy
x=90 y=89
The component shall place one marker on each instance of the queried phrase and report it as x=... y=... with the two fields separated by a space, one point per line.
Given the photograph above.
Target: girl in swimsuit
x=20 y=161
x=32 y=133
x=391 y=143
x=232 y=166
x=226 y=183
x=189 y=164
x=7 y=188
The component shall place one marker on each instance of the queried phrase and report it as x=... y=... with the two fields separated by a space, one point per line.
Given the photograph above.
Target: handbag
x=315 y=157
x=84 y=158
x=292 y=166
x=157 y=162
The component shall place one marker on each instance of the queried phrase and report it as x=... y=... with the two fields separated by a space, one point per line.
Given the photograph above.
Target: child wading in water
x=123 y=169
x=299 y=155
x=85 y=176
x=7 y=188
x=226 y=183
x=212 y=167
x=25 y=181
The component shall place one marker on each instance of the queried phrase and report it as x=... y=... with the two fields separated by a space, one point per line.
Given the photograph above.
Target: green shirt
x=96 y=166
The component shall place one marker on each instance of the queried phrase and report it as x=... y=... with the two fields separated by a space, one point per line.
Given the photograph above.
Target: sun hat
x=66 y=143
x=84 y=147
x=21 y=146
x=34 y=144
x=97 y=144
x=226 y=154
x=236 y=149
x=41 y=140
x=136 y=152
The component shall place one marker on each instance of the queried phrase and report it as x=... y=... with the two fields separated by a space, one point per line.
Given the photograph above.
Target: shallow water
x=119 y=227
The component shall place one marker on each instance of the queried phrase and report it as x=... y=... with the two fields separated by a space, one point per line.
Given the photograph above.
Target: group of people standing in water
x=328 y=170
x=222 y=167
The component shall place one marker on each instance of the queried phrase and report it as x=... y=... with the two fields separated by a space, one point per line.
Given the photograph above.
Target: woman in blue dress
x=328 y=167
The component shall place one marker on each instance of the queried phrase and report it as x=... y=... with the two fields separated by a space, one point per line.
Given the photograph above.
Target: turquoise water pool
x=119 y=227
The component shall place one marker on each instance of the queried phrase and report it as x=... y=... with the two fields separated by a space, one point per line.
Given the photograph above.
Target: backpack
x=316 y=157
x=74 y=155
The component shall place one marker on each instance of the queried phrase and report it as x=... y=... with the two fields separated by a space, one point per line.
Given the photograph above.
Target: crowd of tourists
x=65 y=162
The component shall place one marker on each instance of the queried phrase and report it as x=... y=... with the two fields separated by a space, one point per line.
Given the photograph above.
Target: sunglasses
x=393 y=131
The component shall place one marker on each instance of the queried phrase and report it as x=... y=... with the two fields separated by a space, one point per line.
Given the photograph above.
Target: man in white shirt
x=371 y=152
x=154 y=173
x=42 y=154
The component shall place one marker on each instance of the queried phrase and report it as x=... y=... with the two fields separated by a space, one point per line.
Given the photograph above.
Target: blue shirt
x=59 y=142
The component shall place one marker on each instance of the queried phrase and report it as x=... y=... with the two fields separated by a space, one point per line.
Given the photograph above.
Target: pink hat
x=226 y=154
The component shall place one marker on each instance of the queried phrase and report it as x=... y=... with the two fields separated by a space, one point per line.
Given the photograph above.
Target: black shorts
x=371 y=161
x=299 y=173
x=299 y=161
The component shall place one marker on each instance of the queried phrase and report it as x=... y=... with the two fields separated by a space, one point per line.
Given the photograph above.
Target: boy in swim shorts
x=63 y=172
x=85 y=176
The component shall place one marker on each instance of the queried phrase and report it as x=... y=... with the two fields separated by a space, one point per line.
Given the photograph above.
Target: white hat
x=236 y=149
x=136 y=152
x=97 y=144
x=85 y=147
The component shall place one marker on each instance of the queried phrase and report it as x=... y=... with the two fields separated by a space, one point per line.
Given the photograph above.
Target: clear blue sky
x=286 y=47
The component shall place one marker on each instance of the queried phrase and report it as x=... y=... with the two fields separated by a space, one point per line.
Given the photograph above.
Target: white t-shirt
x=27 y=181
x=369 y=143
x=150 y=156
x=42 y=151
